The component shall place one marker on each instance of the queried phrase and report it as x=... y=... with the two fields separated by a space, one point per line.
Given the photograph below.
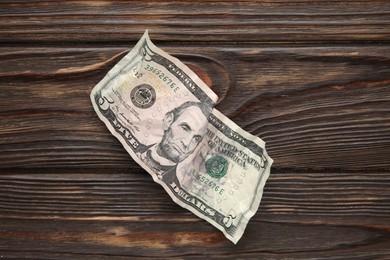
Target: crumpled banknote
x=164 y=116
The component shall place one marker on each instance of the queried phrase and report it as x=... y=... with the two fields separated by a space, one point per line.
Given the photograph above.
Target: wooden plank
x=109 y=239
x=122 y=194
x=123 y=213
x=316 y=107
x=194 y=21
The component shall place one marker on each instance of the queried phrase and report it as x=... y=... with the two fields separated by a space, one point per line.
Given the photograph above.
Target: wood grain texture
x=315 y=107
x=310 y=77
x=123 y=212
x=221 y=21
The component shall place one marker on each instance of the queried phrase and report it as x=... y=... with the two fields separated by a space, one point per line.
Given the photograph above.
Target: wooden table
x=311 y=78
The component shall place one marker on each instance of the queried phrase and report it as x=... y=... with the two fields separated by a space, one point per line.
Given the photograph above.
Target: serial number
x=163 y=77
x=210 y=183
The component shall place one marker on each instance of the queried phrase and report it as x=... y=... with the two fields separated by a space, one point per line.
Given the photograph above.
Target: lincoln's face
x=183 y=134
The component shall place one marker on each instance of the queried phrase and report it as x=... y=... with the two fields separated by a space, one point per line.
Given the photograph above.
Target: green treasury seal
x=217 y=166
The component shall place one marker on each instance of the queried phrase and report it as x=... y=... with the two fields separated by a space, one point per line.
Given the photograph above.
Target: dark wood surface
x=311 y=78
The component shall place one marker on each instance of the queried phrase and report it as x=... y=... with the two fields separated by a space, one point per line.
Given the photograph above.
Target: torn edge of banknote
x=221 y=175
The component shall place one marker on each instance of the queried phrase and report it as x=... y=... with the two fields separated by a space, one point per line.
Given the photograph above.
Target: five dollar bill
x=164 y=116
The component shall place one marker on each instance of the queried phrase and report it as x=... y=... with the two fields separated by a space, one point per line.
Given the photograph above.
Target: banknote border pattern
x=126 y=134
